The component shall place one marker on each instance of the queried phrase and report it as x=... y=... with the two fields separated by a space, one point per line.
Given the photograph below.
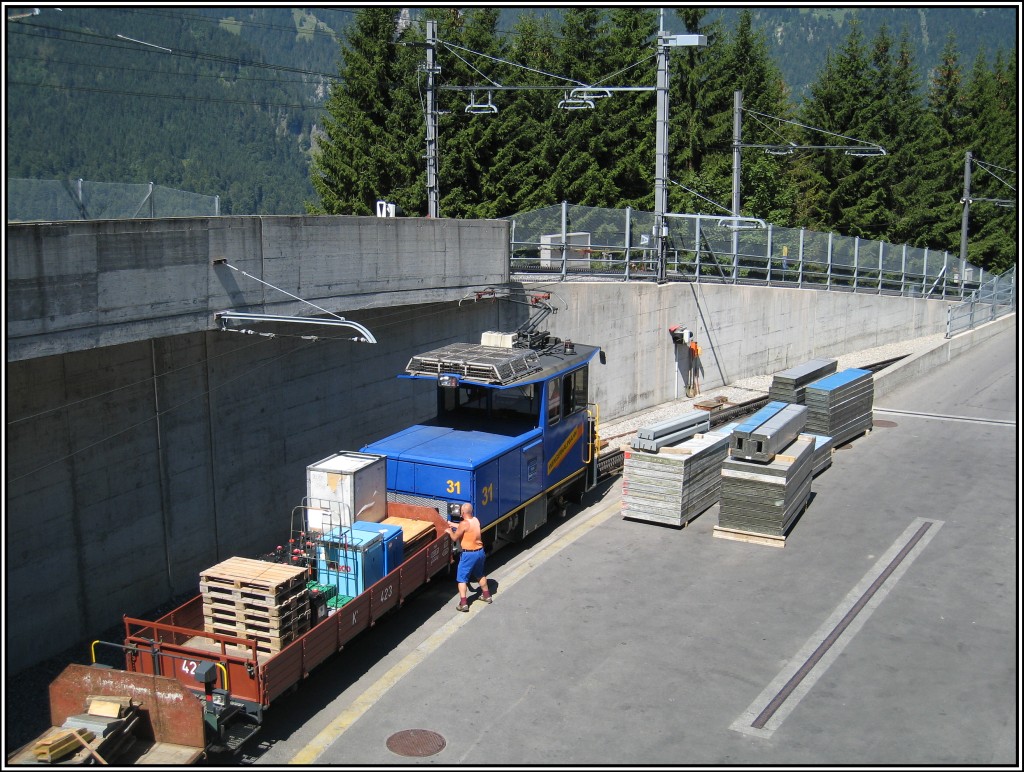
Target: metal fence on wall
x=579 y=241
x=993 y=299
x=56 y=200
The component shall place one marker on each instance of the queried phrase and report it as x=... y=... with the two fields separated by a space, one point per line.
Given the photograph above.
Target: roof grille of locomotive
x=474 y=362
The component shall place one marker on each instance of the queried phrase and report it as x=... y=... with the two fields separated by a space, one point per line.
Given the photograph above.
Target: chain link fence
x=56 y=200
x=579 y=241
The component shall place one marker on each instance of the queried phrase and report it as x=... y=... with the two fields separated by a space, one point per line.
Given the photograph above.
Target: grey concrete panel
x=738 y=329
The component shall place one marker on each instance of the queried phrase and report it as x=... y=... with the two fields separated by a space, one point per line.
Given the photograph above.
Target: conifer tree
x=765 y=189
x=583 y=168
x=469 y=142
x=629 y=129
x=948 y=111
x=700 y=119
x=915 y=166
x=362 y=156
x=520 y=177
x=835 y=105
x=991 y=129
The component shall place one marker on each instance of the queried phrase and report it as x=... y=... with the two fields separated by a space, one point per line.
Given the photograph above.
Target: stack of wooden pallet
x=264 y=602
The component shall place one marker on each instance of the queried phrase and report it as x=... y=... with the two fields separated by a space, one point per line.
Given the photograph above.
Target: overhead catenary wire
x=867 y=145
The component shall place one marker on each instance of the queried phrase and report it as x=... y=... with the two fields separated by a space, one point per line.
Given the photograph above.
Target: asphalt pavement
x=884 y=632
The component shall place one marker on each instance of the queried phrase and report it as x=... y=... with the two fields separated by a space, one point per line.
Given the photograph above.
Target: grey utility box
x=345 y=487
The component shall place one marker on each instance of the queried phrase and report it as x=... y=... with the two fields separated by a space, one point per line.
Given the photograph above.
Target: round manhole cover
x=416 y=742
x=883 y=424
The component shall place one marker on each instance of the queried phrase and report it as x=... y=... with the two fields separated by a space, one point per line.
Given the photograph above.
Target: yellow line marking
x=336 y=728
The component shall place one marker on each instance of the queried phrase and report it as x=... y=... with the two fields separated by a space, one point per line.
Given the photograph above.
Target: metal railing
x=995 y=298
x=570 y=241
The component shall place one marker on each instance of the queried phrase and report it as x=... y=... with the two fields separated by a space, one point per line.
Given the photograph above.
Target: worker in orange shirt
x=471 y=563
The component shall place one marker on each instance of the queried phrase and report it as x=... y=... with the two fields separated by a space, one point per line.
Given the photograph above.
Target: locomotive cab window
x=471 y=405
x=575 y=392
x=518 y=402
x=465 y=399
x=554 y=401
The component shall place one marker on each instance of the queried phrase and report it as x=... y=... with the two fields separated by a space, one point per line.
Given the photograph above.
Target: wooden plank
x=59 y=743
x=748 y=536
x=677 y=451
x=249 y=574
x=104 y=707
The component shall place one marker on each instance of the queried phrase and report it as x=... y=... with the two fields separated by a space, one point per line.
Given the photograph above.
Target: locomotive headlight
x=448 y=381
x=219 y=698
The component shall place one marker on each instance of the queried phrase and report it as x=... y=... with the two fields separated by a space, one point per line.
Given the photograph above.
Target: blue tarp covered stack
x=839 y=405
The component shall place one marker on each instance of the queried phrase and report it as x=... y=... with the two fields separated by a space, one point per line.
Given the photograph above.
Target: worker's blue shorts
x=471 y=566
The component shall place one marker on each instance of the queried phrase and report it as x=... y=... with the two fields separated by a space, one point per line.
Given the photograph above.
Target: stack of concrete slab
x=765 y=498
x=676 y=484
x=766 y=432
x=840 y=405
x=790 y=385
x=823 y=450
x=671 y=431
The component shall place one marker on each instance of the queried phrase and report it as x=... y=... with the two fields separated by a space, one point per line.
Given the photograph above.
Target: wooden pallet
x=240 y=596
x=267 y=638
x=255 y=622
x=245 y=575
x=748 y=536
x=217 y=602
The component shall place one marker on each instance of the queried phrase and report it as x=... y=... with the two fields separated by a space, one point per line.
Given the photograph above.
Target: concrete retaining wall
x=81 y=285
x=742 y=331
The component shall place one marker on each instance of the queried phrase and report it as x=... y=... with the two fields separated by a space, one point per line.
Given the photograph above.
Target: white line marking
x=745 y=722
x=916 y=414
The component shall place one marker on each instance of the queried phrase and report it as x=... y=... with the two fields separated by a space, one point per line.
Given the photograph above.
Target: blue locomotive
x=515 y=432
